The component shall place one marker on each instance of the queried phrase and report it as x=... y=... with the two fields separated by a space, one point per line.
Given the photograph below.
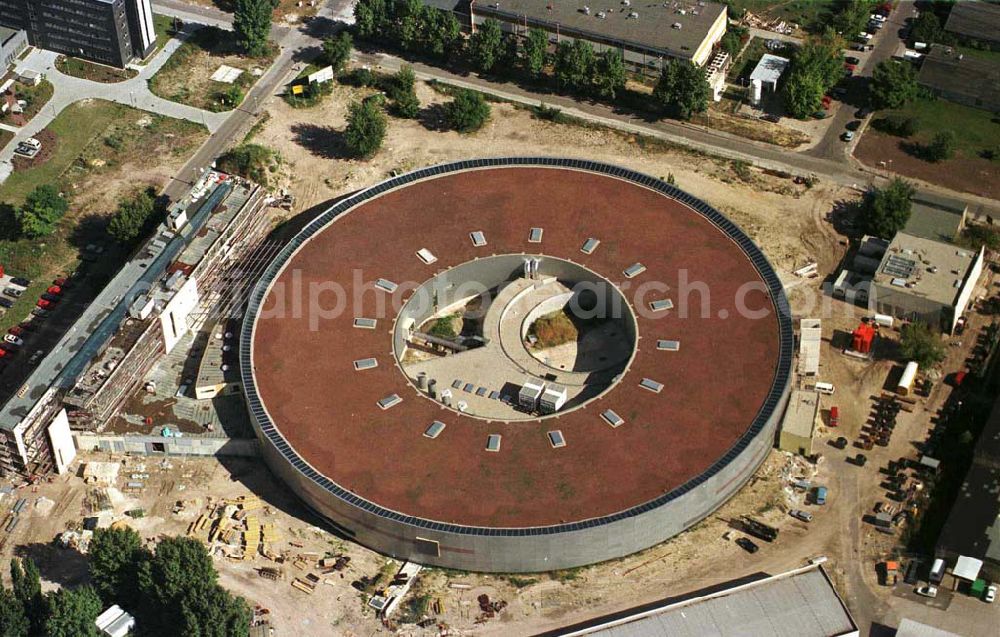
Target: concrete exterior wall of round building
x=486 y=550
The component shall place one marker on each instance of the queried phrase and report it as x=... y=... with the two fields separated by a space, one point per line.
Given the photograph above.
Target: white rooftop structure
x=768 y=71
x=115 y=622
x=810 y=337
x=967 y=568
x=911 y=628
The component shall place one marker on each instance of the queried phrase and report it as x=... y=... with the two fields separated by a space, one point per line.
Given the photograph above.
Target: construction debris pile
x=775 y=25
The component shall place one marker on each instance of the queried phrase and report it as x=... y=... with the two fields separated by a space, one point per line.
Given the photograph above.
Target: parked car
x=960 y=325
x=51 y=298
x=854 y=125
x=850 y=59
x=991 y=594
x=62 y=282
x=6 y=302
x=17 y=330
x=45 y=305
x=927 y=591
x=805 y=516
x=861 y=460
x=55 y=289
x=13 y=292
x=3 y=353
x=848 y=136
x=774 y=119
x=747 y=545
x=840 y=443
x=40 y=313
x=13 y=340
x=819 y=496
x=27 y=326
x=21 y=281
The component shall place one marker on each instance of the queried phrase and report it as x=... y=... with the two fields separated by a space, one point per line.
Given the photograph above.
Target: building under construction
x=183 y=267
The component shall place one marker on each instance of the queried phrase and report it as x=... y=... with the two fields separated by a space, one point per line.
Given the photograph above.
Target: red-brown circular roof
x=713 y=387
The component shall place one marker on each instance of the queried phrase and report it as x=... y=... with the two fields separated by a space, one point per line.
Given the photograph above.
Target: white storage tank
x=906 y=382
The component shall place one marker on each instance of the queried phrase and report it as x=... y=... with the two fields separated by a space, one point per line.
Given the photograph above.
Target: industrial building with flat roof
x=924 y=280
x=112 y=32
x=646 y=33
x=12 y=43
x=799 y=425
x=964 y=79
x=976 y=21
x=799 y=603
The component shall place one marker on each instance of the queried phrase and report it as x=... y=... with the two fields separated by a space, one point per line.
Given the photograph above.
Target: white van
x=937 y=571
x=825 y=388
x=884 y=320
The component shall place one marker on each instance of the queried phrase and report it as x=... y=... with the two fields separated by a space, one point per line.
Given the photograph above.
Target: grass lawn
x=186 y=76
x=91 y=71
x=104 y=150
x=163 y=25
x=743 y=65
x=5 y=137
x=975 y=130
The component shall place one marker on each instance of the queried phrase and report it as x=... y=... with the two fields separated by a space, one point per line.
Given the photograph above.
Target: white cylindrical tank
x=906 y=382
x=756 y=89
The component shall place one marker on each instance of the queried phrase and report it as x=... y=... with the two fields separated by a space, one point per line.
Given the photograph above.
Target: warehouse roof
x=923 y=267
x=949 y=71
x=978 y=20
x=799 y=603
x=676 y=28
x=911 y=628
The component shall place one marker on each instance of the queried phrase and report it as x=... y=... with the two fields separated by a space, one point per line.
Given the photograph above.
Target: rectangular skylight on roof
x=612 y=418
x=365 y=323
x=493 y=443
x=389 y=401
x=386 y=284
x=469 y=388
x=590 y=245
x=435 y=429
x=481 y=391
x=634 y=270
x=365 y=363
x=661 y=305
x=669 y=346
x=495 y=395
x=535 y=236
x=556 y=439
x=426 y=256
x=456 y=385
x=651 y=385
x=478 y=238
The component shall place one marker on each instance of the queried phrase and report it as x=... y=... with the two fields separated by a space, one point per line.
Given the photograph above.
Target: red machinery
x=862 y=338
x=834 y=416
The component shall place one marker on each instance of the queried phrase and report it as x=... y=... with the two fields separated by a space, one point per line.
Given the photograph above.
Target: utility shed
x=766 y=74
x=799 y=603
x=799 y=424
x=924 y=280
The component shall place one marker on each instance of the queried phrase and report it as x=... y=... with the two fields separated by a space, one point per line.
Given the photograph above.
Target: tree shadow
x=321 y=27
x=91 y=228
x=65 y=567
x=307 y=54
x=433 y=118
x=8 y=223
x=322 y=141
x=845 y=216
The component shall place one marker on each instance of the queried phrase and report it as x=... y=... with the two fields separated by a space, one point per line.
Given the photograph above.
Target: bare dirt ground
x=968 y=174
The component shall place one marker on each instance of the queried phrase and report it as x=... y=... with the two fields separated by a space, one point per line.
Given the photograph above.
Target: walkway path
x=133 y=92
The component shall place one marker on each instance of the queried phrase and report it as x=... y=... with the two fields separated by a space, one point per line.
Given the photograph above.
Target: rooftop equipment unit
x=530 y=394
x=552 y=399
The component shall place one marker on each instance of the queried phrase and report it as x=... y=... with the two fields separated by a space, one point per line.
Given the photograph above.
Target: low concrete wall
x=158 y=445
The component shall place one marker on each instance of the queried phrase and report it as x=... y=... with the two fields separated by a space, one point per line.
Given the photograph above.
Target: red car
x=16 y=330
x=3 y=353
x=61 y=281
x=28 y=326
x=45 y=305
x=55 y=289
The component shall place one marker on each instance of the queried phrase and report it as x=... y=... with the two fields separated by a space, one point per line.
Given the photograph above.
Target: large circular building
x=517 y=364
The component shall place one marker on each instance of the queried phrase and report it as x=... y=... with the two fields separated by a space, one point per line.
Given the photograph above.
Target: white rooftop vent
x=386 y=285
x=365 y=323
x=389 y=401
x=556 y=439
x=634 y=270
x=651 y=385
x=669 y=346
x=434 y=430
x=365 y=363
x=478 y=238
x=590 y=245
x=662 y=305
x=535 y=236
x=426 y=256
x=612 y=418
x=493 y=443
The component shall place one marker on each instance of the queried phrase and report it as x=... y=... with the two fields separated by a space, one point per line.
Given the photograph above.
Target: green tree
x=467 y=112
x=72 y=613
x=609 y=74
x=371 y=18
x=682 y=89
x=886 y=210
x=181 y=595
x=815 y=67
x=412 y=25
x=27 y=588
x=732 y=41
x=444 y=33
x=337 y=51
x=535 y=51
x=403 y=93
x=893 y=84
x=574 y=65
x=919 y=343
x=252 y=24
x=486 y=45
x=250 y=161
x=42 y=209
x=926 y=28
x=13 y=621
x=115 y=555
x=131 y=219
x=231 y=97
x=366 y=127
x=942 y=147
